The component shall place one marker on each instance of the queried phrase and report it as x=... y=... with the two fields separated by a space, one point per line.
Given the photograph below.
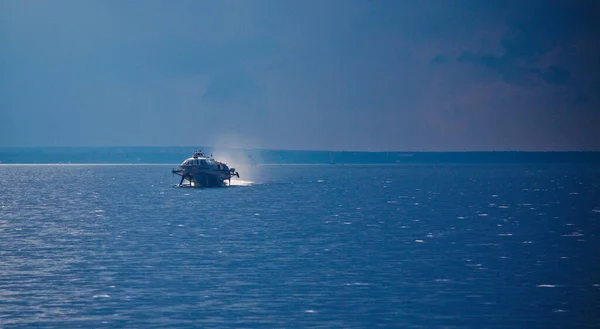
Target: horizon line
x=304 y=150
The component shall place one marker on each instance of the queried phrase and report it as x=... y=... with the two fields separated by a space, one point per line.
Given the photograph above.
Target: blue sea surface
x=301 y=246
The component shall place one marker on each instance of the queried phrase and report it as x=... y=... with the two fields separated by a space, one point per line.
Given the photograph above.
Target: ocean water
x=301 y=246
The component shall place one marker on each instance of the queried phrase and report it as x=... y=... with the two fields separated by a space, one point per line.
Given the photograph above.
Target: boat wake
x=234 y=183
x=239 y=182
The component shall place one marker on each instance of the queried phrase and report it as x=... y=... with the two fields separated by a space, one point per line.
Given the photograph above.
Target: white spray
x=234 y=151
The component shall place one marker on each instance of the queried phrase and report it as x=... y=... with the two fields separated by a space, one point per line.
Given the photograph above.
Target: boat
x=204 y=171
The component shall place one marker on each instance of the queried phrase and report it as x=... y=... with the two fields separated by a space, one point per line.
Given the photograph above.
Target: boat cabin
x=194 y=162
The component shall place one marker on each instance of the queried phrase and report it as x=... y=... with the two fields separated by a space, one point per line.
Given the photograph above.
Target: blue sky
x=342 y=75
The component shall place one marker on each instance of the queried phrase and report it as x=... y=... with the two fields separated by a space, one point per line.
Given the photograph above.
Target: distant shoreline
x=239 y=149
x=288 y=164
x=175 y=155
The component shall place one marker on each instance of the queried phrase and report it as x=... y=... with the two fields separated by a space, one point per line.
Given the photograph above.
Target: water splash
x=239 y=182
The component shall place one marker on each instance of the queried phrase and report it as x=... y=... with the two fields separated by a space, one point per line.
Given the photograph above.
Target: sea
x=473 y=241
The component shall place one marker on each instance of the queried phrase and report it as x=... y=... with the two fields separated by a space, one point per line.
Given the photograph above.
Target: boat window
x=203 y=162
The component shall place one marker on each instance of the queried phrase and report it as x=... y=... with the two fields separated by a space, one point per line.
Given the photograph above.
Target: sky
x=435 y=75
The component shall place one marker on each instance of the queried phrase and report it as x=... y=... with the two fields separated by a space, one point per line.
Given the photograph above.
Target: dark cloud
x=541 y=45
x=440 y=59
x=556 y=75
x=486 y=60
x=515 y=71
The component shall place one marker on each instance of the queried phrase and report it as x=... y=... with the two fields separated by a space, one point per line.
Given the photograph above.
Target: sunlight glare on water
x=301 y=246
